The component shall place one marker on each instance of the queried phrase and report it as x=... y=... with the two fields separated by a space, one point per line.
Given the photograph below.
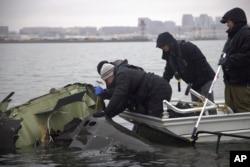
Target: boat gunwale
x=163 y=123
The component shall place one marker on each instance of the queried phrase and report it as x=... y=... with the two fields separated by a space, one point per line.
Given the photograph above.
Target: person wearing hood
x=146 y=89
x=236 y=63
x=185 y=61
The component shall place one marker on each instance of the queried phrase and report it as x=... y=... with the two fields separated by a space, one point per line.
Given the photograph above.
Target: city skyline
x=82 y=13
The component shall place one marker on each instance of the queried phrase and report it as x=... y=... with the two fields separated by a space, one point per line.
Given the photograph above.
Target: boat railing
x=167 y=105
x=195 y=107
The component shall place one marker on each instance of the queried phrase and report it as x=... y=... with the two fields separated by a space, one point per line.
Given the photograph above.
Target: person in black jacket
x=146 y=89
x=107 y=93
x=185 y=61
x=236 y=64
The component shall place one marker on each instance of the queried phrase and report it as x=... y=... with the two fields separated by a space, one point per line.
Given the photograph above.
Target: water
x=31 y=70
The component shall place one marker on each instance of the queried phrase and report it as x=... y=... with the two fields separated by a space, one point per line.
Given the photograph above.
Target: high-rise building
x=204 y=21
x=187 y=20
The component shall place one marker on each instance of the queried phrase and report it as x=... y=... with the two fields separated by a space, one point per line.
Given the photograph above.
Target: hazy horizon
x=94 y=13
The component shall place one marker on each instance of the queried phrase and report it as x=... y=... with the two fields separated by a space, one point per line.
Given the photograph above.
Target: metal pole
x=203 y=108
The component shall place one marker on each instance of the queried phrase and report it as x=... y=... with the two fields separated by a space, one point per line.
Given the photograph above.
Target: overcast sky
x=72 y=13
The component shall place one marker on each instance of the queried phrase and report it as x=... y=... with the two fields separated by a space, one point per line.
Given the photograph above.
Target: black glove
x=188 y=88
x=99 y=114
x=222 y=61
x=177 y=75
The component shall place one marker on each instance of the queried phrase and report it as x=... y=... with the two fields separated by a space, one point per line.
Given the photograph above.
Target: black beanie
x=236 y=15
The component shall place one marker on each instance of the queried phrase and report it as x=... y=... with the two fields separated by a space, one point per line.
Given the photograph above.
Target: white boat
x=224 y=125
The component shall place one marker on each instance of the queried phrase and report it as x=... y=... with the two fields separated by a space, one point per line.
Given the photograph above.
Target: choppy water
x=31 y=70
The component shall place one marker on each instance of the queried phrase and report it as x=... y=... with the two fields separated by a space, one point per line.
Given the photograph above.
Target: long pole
x=209 y=94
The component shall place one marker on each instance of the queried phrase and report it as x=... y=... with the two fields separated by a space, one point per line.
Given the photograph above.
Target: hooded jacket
x=236 y=15
x=237 y=48
x=185 y=60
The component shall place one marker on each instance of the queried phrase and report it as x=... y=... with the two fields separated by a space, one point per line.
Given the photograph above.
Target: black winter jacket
x=187 y=60
x=118 y=64
x=237 y=48
x=138 y=85
x=237 y=66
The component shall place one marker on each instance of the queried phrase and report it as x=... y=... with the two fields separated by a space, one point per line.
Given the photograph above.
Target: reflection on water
x=202 y=155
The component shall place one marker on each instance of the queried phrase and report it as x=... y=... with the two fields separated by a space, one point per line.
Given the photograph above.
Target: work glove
x=177 y=75
x=98 y=90
x=99 y=114
x=222 y=61
x=189 y=86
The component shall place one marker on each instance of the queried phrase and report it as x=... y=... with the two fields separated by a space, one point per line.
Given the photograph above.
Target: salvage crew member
x=185 y=61
x=236 y=64
x=131 y=84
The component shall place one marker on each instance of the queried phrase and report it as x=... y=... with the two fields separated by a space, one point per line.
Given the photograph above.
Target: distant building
x=155 y=27
x=201 y=27
x=204 y=21
x=142 y=26
x=42 y=31
x=170 y=27
x=114 y=30
x=187 y=26
x=81 y=31
x=187 y=20
x=4 y=30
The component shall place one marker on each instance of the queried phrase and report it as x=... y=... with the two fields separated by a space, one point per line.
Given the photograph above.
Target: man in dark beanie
x=236 y=64
x=145 y=90
x=184 y=60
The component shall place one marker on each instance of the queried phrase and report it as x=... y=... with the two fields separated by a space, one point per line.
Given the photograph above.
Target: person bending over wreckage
x=107 y=93
x=132 y=86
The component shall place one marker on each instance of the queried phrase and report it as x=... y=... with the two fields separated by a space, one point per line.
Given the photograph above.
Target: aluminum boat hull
x=237 y=124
